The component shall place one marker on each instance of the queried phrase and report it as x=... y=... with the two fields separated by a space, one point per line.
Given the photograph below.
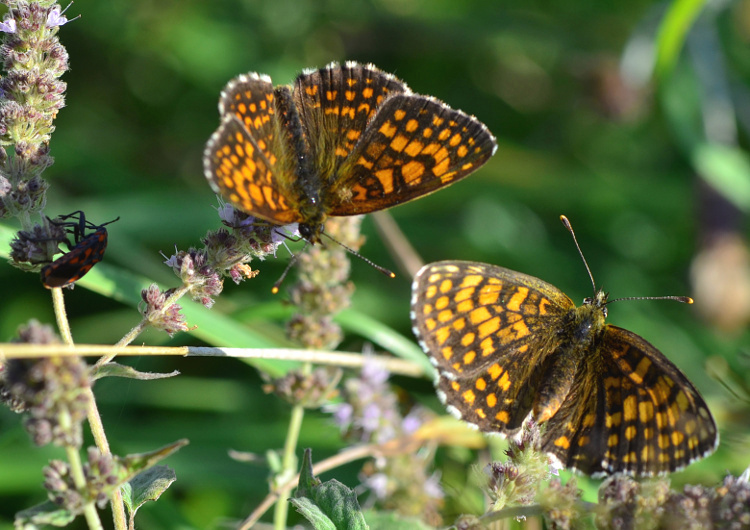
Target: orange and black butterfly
x=343 y=140
x=509 y=347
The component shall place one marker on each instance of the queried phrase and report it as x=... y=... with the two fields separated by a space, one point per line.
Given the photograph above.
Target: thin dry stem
x=334 y=358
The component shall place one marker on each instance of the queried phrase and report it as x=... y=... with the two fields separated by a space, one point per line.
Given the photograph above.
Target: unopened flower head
x=53 y=390
x=158 y=313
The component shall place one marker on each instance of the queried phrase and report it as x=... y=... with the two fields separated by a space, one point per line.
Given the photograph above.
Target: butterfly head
x=311 y=231
x=599 y=301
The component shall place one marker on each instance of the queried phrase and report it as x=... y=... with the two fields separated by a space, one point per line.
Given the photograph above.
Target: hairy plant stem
x=58 y=303
x=76 y=472
x=97 y=429
x=289 y=459
x=79 y=478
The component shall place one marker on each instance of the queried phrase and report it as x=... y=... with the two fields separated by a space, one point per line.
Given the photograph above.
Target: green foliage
x=147 y=486
x=46 y=513
x=327 y=505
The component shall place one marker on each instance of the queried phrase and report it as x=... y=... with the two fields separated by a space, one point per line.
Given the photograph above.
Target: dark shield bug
x=87 y=251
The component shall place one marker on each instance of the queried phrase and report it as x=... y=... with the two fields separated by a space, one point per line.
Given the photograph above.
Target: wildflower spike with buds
x=52 y=389
x=155 y=311
x=32 y=94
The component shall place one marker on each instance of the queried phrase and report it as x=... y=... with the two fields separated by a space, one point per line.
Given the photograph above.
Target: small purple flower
x=432 y=486
x=555 y=466
x=231 y=217
x=745 y=477
x=370 y=417
x=412 y=421
x=282 y=233
x=374 y=373
x=57 y=18
x=342 y=414
x=8 y=25
x=378 y=484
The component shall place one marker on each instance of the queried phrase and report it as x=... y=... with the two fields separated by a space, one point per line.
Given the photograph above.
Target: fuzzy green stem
x=288 y=463
x=95 y=421
x=58 y=303
x=79 y=479
x=100 y=438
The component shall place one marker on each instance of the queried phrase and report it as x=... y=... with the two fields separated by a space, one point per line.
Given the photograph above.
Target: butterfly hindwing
x=642 y=415
x=413 y=146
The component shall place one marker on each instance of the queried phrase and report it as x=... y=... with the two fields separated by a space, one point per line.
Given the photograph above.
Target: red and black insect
x=87 y=251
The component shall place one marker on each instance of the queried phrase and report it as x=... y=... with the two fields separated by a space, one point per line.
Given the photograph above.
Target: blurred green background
x=650 y=169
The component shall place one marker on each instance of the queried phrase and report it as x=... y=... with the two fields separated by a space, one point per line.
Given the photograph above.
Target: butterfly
x=508 y=347
x=343 y=140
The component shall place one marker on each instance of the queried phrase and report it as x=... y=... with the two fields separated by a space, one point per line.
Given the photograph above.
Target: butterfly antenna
x=567 y=225
x=683 y=299
x=353 y=252
x=275 y=288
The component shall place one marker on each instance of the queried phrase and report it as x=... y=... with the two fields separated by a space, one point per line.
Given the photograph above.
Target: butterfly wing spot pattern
x=342 y=140
x=508 y=347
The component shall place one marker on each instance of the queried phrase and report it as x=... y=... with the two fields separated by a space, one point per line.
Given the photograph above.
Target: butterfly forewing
x=336 y=103
x=487 y=331
x=413 y=146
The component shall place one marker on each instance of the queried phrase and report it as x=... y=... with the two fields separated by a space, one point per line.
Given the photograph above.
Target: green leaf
x=146 y=486
x=328 y=504
x=132 y=465
x=340 y=504
x=312 y=513
x=307 y=481
x=674 y=28
x=46 y=513
x=727 y=169
x=120 y=370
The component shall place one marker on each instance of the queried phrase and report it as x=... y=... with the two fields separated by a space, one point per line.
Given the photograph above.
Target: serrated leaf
x=46 y=513
x=394 y=521
x=132 y=465
x=340 y=504
x=306 y=478
x=121 y=370
x=312 y=513
x=332 y=499
x=147 y=486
